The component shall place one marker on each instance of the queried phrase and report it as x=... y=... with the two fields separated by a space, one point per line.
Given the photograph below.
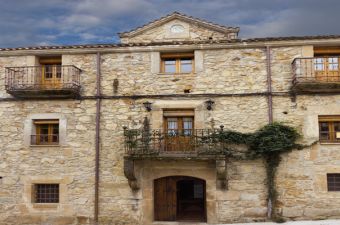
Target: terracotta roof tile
x=250 y=40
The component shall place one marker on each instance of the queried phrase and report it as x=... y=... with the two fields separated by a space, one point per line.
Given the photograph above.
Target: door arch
x=179 y=198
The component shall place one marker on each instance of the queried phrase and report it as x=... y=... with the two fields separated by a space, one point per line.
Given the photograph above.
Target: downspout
x=270 y=113
x=97 y=145
x=269 y=85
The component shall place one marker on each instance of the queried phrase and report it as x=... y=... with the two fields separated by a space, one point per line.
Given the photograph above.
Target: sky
x=67 y=22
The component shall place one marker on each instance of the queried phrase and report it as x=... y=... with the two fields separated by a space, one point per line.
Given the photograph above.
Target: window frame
x=178 y=58
x=43 y=199
x=333 y=186
x=330 y=120
x=50 y=134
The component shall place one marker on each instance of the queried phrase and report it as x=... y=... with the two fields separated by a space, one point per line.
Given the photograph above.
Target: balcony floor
x=45 y=93
x=316 y=87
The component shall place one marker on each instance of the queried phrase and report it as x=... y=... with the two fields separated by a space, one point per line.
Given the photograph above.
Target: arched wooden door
x=179 y=198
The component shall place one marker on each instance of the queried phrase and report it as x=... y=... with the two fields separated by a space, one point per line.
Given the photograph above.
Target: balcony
x=45 y=139
x=48 y=81
x=316 y=75
x=189 y=143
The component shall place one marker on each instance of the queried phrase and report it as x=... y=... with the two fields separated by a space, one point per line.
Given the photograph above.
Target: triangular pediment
x=179 y=27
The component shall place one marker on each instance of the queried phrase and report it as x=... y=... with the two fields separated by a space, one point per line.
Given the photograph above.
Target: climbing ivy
x=269 y=142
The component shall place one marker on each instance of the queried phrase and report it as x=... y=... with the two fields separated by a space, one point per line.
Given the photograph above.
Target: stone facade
x=234 y=76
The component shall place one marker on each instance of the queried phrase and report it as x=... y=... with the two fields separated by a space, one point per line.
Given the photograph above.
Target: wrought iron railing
x=316 y=69
x=47 y=77
x=45 y=139
x=173 y=142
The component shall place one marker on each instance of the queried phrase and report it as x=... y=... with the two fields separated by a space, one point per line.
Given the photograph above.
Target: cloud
x=38 y=22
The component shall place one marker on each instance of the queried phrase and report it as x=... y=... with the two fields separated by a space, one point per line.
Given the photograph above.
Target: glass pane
x=324 y=126
x=318 y=64
x=186 y=65
x=333 y=63
x=337 y=130
x=170 y=66
x=44 y=129
x=55 y=133
x=58 y=68
x=324 y=131
x=187 y=126
x=172 y=126
x=48 y=71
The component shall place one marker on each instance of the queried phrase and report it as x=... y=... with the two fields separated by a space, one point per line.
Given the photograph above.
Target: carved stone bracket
x=129 y=172
x=221 y=174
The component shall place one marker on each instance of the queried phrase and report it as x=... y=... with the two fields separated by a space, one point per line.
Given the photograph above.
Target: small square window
x=329 y=129
x=333 y=181
x=47 y=132
x=46 y=193
x=177 y=63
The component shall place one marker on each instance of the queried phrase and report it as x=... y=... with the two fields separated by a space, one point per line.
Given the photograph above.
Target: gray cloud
x=37 y=22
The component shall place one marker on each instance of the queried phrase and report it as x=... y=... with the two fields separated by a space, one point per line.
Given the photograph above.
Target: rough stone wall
x=71 y=164
x=302 y=175
x=224 y=71
x=192 y=32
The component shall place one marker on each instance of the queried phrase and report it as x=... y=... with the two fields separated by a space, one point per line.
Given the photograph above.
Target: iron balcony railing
x=45 y=139
x=47 y=77
x=316 y=70
x=141 y=142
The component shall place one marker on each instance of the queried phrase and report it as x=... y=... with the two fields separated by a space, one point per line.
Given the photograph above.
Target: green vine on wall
x=268 y=143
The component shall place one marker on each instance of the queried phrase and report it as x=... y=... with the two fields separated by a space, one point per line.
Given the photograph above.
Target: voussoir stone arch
x=153 y=170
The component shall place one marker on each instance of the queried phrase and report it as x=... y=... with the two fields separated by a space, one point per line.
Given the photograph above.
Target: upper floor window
x=47 y=132
x=329 y=129
x=177 y=63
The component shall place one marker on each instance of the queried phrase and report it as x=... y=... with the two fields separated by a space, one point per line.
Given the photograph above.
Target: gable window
x=333 y=181
x=47 y=132
x=329 y=129
x=46 y=193
x=177 y=63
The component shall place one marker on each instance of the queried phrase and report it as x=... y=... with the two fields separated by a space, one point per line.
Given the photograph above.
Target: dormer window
x=177 y=63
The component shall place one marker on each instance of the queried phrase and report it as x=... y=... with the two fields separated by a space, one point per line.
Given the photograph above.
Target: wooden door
x=51 y=75
x=165 y=195
x=178 y=134
x=51 y=72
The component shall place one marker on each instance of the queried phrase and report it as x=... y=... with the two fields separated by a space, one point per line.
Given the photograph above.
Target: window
x=318 y=64
x=177 y=63
x=333 y=181
x=47 y=132
x=46 y=193
x=331 y=63
x=329 y=129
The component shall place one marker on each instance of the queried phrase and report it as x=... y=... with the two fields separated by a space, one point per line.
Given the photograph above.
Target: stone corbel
x=221 y=174
x=129 y=172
